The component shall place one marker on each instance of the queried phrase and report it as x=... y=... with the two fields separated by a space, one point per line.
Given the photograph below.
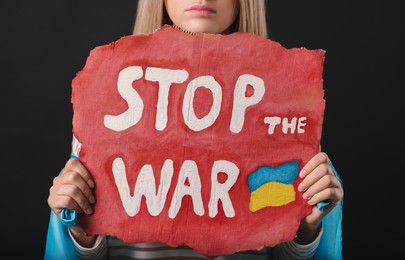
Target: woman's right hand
x=72 y=189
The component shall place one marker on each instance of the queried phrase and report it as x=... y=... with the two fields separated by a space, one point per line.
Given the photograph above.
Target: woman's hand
x=72 y=189
x=319 y=183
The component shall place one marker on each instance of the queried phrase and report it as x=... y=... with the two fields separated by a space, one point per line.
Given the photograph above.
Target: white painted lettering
x=188 y=171
x=241 y=102
x=130 y=95
x=289 y=125
x=301 y=124
x=165 y=77
x=273 y=121
x=220 y=191
x=190 y=119
x=145 y=186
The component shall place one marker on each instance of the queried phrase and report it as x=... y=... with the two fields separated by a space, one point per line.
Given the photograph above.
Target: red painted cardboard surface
x=293 y=88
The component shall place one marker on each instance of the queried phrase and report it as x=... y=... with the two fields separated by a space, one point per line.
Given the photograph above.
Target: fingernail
x=301 y=187
x=310 y=202
x=91 y=183
x=306 y=195
x=89 y=211
x=92 y=200
x=303 y=173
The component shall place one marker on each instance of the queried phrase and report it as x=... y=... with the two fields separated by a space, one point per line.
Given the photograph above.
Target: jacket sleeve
x=59 y=245
x=330 y=246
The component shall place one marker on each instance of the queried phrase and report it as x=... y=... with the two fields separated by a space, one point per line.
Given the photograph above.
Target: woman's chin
x=202 y=27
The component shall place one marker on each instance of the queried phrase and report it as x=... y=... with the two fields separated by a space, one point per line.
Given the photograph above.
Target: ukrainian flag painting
x=272 y=186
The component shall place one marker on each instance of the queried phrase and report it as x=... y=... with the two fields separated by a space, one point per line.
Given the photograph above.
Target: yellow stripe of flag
x=271 y=194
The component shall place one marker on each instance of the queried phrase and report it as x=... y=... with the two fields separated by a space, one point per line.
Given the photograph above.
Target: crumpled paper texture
x=293 y=87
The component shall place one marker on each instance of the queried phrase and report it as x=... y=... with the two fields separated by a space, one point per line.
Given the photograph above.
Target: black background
x=44 y=43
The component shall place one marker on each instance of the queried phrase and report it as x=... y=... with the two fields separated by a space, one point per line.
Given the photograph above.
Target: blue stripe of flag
x=285 y=173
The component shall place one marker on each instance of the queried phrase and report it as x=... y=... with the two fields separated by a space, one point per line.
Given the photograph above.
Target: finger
x=326 y=181
x=334 y=195
x=318 y=159
x=53 y=201
x=76 y=179
x=74 y=164
x=59 y=202
x=315 y=216
x=314 y=176
x=71 y=197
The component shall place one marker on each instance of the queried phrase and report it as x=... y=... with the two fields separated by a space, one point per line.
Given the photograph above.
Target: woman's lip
x=201 y=9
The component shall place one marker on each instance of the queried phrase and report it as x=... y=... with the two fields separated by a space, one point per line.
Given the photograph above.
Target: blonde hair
x=151 y=15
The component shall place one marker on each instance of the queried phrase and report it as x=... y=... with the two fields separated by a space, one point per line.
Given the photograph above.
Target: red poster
x=198 y=140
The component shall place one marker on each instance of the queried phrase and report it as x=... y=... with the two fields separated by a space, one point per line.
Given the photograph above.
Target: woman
x=72 y=188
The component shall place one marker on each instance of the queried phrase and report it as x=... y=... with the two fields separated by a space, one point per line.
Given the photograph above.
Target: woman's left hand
x=319 y=183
